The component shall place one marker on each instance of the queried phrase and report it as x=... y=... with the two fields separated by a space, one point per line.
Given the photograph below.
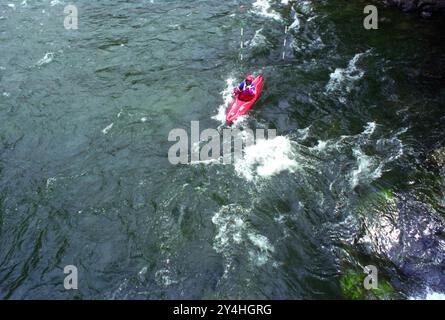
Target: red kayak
x=240 y=107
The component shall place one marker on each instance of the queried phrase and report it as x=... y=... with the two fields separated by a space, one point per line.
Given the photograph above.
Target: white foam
x=175 y=26
x=54 y=2
x=263 y=8
x=370 y=128
x=368 y=169
x=266 y=158
x=263 y=254
x=206 y=162
x=240 y=122
x=435 y=296
x=233 y=231
x=303 y=133
x=394 y=142
x=429 y=294
x=343 y=79
x=107 y=128
x=163 y=277
x=260 y=241
x=230 y=228
x=227 y=98
x=311 y=18
x=258 y=39
x=50 y=181
x=142 y=273
x=46 y=59
x=321 y=145
x=295 y=24
x=121 y=288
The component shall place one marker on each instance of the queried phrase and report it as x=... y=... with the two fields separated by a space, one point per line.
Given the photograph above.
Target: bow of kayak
x=239 y=107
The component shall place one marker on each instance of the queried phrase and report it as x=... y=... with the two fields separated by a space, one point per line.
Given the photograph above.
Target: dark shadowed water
x=85 y=178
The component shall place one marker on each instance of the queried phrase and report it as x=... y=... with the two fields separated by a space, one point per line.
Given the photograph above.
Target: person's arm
x=241 y=86
x=252 y=89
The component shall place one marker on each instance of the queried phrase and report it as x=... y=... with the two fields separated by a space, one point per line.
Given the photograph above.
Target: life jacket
x=248 y=87
x=246 y=97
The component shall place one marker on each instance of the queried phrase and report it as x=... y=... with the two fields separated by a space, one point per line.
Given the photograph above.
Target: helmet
x=249 y=78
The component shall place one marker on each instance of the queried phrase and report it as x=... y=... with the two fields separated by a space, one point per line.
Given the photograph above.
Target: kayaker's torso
x=247 y=90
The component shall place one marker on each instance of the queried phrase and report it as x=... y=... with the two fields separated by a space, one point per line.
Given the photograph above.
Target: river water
x=85 y=178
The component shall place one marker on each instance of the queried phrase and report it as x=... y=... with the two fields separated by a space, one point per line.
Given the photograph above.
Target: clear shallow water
x=85 y=179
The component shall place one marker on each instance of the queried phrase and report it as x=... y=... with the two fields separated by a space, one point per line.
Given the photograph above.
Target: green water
x=85 y=178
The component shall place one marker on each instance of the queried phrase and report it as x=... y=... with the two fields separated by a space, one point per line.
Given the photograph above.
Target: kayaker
x=246 y=90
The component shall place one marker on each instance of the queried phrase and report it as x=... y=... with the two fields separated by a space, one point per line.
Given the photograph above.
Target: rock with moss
x=352 y=287
x=406 y=232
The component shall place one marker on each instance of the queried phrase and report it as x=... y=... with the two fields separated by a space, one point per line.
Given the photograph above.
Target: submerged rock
x=426 y=7
x=409 y=234
x=436 y=160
